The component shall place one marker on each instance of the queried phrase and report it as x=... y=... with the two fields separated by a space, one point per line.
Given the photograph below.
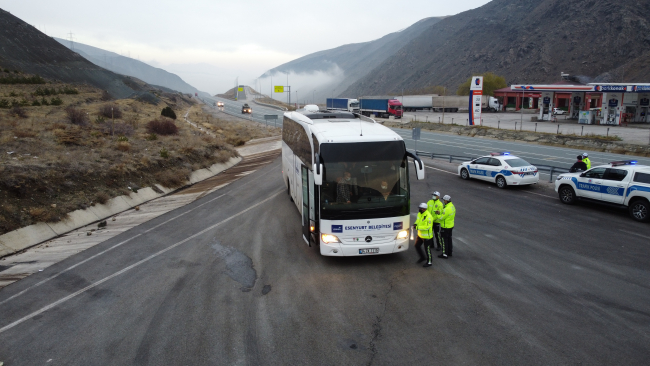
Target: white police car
x=502 y=168
x=620 y=182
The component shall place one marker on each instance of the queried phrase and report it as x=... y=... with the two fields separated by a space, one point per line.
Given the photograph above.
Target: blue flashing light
x=506 y=153
x=633 y=162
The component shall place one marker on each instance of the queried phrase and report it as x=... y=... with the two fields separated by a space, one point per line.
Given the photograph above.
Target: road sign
x=270 y=116
x=416 y=133
x=279 y=89
x=240 y=89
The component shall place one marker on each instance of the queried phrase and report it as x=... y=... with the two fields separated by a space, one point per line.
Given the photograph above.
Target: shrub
x=152 y=137
x=44 y=101
x=102 y=197
x=119 y=129
x=122 y=138
x=164 y=153
x=4 y=104
x=172 y=178
x=105 y=96
x=68 y=90
x=168 y=112
x=110 y=111
x=56 y=101
x=18 y=112
x=123 y=146
x=76 y=116
x=36 y=103
x=24 y=133
x=162 y=126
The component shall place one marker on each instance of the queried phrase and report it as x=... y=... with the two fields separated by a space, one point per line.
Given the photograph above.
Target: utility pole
x=71 y=40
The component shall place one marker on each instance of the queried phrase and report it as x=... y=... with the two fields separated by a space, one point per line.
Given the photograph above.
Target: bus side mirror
x=318 y=174
x=419 y=165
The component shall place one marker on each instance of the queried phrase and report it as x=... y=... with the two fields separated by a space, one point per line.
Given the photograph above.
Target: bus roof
x=341 y=126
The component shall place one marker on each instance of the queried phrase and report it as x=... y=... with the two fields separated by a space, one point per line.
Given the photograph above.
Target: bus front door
x=305 y=205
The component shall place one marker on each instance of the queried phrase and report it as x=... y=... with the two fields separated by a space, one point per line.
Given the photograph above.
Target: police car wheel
x=567 y=195
x=640 y=210
x=464 y=174
x=501 y=182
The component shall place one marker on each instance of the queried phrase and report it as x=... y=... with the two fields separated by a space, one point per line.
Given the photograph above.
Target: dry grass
x=72 y=166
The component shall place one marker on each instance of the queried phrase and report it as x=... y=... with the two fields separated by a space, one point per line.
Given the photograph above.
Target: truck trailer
x=342 y=104
x=457 y=103
x=383 y=107
x=412 y=103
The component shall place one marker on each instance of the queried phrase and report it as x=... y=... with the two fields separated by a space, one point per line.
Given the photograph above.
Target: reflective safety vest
x=448 y=215
x=587 y=161
x=424 y=225
x=433 y=206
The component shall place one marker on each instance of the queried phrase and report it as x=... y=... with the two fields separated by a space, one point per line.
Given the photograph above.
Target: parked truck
x=342 y=104
x=457 y=103
x=412 y=103
x=383 y=107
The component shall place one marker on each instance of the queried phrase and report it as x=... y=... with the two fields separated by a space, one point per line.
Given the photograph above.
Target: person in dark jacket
x=579 y=166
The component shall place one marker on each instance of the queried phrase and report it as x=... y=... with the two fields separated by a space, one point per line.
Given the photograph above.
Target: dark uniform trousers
x=427 y=248
x=436 y=235
x=447 y=245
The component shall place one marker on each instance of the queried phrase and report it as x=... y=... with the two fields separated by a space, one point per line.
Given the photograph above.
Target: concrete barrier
x=29 y=236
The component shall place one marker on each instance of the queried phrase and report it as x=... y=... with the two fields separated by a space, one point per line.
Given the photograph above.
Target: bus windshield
x=364 y=180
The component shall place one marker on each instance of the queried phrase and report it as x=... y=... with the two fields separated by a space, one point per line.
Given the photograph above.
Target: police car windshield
x=516 y=162
x=364 y=180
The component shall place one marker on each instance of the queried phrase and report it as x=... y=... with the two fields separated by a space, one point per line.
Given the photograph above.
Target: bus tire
x=289 y=191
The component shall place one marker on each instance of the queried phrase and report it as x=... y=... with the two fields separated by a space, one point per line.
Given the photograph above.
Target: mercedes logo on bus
x=368 y=239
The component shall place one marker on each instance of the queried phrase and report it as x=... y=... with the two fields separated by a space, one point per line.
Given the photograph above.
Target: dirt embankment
x=592 y=143
x=55 y=159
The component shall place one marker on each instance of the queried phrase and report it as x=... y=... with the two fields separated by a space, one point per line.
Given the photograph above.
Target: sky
x=211 y=43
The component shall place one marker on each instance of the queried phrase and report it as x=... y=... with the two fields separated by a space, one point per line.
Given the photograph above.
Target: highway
x=450 y=144
x=228 y=280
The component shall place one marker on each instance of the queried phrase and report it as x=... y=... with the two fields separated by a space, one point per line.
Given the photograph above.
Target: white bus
x=349 y=178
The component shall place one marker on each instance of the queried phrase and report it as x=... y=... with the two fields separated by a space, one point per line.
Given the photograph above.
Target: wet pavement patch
x=239 y=266
x=266 y=289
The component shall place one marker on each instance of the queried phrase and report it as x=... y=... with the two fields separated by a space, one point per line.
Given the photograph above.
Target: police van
x=501 y=168
x=620 y=182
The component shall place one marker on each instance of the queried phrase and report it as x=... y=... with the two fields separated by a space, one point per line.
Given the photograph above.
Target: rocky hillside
x=128 y=66
x=355 y=60
x=525 y=41
x=26 y=49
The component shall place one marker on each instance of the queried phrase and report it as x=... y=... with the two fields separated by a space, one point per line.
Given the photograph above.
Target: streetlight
x=313 y=99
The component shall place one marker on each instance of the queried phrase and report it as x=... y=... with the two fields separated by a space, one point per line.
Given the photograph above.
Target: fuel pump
x=611 y=106
x=546 y=106
x=577 y=104
x=644 y=109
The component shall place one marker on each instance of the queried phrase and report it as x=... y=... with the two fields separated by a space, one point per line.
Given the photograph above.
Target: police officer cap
x=446 y=198
x=436 y=193
x=423 y=205
x=585 y=154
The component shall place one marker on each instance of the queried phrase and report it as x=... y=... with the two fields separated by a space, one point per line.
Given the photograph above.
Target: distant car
x=246 y=109
x=220 y=104
x=558 y=111
x=501 y=168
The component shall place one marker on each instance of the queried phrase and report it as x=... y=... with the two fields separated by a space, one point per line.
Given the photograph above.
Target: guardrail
x=545 y=168
x=270 y=105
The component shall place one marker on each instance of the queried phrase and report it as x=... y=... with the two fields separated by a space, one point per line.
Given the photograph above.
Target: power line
x=71 y=40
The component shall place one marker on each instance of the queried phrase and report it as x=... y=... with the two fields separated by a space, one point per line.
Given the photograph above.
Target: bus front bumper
x=341 y=250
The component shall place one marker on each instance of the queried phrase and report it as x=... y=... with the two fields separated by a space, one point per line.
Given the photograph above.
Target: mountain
x=350 y=62
x=524 y=41
x=28 y=50
x=128 y=66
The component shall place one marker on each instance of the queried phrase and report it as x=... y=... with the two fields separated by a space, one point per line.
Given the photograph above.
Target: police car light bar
x=500 y=153
x=623 y=162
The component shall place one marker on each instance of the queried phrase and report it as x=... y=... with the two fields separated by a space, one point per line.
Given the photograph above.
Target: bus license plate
x=369 y=251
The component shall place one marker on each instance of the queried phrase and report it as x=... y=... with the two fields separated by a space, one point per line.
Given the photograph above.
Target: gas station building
x=594 y=103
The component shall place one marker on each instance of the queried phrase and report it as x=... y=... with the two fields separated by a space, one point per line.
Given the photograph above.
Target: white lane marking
x=633 y=233
x=444 y=171
x=104 y=252
x=539 y=194
x=95 y=284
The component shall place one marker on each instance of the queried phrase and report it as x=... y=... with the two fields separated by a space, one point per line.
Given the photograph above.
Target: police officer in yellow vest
x=424 y=226
x=585 y=159
x=447 y=225
x=434 y=206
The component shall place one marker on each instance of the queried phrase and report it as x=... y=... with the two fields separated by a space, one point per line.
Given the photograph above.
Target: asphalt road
x=229 y=280
x=234 y=108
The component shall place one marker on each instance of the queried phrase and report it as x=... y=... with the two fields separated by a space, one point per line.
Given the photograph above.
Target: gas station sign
x=475 y=96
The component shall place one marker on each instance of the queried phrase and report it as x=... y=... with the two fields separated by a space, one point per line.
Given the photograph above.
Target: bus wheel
x=289 y=191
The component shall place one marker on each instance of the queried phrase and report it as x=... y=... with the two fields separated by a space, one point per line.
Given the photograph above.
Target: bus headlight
x=329 y=238
x=402 y=235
